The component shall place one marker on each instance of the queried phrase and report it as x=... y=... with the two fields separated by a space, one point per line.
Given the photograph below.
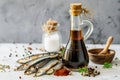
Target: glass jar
x=52 y=41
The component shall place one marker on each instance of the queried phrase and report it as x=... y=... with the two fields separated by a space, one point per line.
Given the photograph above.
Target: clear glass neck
x=76 y=31
x=76 y=21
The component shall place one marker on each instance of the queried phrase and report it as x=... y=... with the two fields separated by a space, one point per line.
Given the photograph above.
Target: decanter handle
x=90 y=28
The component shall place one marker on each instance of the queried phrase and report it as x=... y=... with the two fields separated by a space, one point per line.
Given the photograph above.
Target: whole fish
x=26 y=65
x=43 y=70
x=33 y=68
x=33 y=57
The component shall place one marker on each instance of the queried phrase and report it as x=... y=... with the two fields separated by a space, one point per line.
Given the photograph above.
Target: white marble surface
x=21 y=20
x=6 y=49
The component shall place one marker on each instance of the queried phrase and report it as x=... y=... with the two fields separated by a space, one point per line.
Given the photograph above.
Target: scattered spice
x=30 y=43
x=3 y=68
x=95 y=66
x=116 y=58
x=26 y=52
x=42 y=49
x=23 y=55
x=15 y=51
x=62 y=72
x=29 y=48
x=90 y=72
x=29 y=52
x=10 y=54
x=16 y=55
x=20 y=77
x=116 y=64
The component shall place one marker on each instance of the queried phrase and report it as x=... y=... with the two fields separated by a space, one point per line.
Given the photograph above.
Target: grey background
x=21 y=20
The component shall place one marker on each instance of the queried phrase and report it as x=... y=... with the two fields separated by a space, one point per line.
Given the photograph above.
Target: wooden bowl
x=101 y=59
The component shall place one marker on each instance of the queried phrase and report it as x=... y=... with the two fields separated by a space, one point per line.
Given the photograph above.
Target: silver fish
x=43 y=70
x=58 y=66
x=33 y=68
x=33 y=57
x=26 y=65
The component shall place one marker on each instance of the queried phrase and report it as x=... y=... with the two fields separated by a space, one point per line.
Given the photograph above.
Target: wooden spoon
x=105 y=50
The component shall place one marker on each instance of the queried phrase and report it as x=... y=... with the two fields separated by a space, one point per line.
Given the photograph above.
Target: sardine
x=26 y=65
x=51 y=71
x=33 y=57
x=33 y=68
x=43 y=70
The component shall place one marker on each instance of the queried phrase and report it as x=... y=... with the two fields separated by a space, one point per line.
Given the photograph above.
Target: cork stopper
x=76 y=9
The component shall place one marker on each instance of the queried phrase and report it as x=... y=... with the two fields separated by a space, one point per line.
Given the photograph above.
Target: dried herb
x=90 y=72
x=26 y=52
x=107 y=65
x=116 y=58
x=62 y=50
x=84 y=69
x=3 y=67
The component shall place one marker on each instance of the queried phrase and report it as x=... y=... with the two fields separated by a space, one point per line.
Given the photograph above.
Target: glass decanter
x=75 y=54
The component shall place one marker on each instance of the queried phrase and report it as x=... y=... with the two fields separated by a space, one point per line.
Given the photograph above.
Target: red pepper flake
x=62 y=72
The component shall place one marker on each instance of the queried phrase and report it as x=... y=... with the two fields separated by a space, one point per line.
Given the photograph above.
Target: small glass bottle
x=75 y=54
x=51 y=36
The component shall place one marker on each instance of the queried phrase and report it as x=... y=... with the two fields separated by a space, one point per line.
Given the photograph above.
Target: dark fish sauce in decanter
x=75 y=55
